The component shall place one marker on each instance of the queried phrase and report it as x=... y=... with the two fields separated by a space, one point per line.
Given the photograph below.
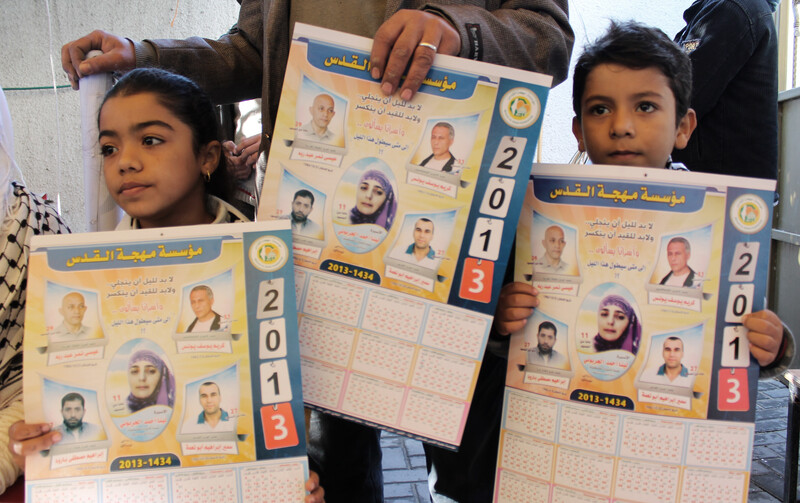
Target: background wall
x=47 y=124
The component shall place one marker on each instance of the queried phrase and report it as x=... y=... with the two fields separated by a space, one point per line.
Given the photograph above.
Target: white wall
x=47 y=124
x=47 y=143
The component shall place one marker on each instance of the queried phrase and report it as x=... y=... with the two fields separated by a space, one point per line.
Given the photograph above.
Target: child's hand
x=317 y=493
x=26 y=439
x=514 y=307
x=765 y=332
x=243 y=156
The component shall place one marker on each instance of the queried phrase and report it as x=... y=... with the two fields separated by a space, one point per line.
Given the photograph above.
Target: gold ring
x=429 y=46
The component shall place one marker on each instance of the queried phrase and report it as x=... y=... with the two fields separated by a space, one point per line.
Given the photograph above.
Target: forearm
x=228 y=68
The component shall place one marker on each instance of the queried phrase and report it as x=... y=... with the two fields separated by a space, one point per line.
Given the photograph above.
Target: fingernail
x=386 y=88
x=376 y=74
x=406 y=95
x=17 y=448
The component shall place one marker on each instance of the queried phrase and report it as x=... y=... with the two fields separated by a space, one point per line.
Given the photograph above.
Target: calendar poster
x=168 y=361
x=632 y=380
x=403 y=215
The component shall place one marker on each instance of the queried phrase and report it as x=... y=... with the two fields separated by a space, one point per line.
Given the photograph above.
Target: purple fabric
x=384 y=216
x=629 y=340
x=164 y=393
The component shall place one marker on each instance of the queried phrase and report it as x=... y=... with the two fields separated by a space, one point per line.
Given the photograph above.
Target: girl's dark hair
x=636 y=46
x=190 y=104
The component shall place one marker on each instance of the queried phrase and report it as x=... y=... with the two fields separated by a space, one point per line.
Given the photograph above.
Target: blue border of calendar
x=731 y=237
x=253 y=278
x=497 y=130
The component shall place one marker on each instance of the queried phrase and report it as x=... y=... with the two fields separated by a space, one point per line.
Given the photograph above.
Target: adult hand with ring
x=429 y=46
x=410 y=39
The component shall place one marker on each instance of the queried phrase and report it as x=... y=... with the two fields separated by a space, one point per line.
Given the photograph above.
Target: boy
x=631 y=93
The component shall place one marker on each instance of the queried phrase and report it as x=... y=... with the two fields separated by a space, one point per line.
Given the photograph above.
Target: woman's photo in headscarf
x=617 y=325
x=150 y=381
x=608 y=331
x=375 y=202
x=365 y=205
x=140 y=384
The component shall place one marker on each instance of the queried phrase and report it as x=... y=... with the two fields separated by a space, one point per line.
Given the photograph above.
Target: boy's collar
x=676 y=166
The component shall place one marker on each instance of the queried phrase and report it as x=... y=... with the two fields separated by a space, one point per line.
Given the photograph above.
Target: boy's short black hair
x=636 y=46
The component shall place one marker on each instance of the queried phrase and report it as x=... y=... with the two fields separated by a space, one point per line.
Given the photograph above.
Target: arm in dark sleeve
x=229 y=68
x=528 y=34
x=726 y=45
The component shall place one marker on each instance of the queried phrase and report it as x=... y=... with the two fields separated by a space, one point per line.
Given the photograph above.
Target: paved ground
x=769 y=451
x=404 y=461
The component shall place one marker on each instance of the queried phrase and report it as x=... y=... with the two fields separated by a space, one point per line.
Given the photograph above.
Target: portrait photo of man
x=543 y=353
x=212 y=418
x=302 y=206
x=678 y=253
x=673 y=371
x=73 y=428
x=72 y=310
x=206 y=319
x=553 y=244
x=322 y=112
x=420 y=251
x=441 y=159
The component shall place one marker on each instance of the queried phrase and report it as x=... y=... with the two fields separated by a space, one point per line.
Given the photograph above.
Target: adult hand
x=317 y=493
x=26 y=439
x=514 y=306
x=397 y=42
x=118 y=55
x=243 y=157
x=765 y=333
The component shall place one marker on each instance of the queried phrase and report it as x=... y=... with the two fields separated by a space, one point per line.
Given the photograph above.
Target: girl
x=617 y=326
x=162 y=158
x=163 y=165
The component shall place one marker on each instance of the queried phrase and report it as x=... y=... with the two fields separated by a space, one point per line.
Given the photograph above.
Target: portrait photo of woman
x=376 y=202
x=617 y=325
x=140 y=384
x=150 y=381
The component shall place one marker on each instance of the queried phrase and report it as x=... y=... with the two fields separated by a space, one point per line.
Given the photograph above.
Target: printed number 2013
x=476 y=280
x=497 y=197
x=275 y=384
x=732 y=390
x=270 y=299
x=744 y=263
x=735 y=347
x=279 y=428
x=486 y=237
x=740 y=302
x=508 y=155
x=271 y=339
